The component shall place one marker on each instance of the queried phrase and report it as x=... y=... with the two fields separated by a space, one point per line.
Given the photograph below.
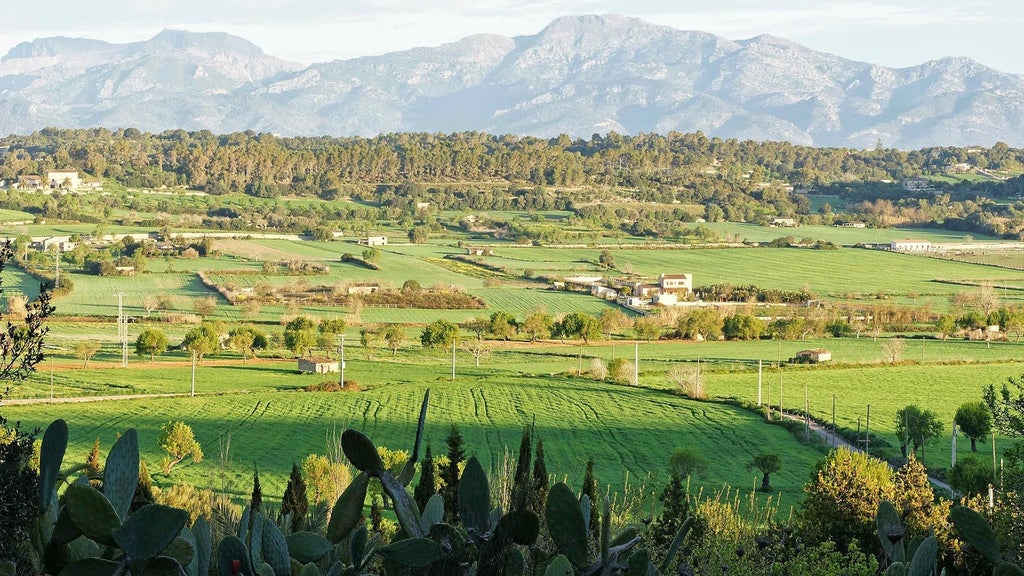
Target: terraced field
x=623 y=429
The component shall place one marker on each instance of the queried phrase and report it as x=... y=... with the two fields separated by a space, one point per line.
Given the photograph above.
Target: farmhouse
x=783 y=223
x=917 y=185
x=374 y=241
x=675 y=283
x=30 y=182
x=813 y=356
x=852 y=225
x=60 y=243
x=67 y=179
x=363 y=289
x=479 y=251
x=910 y=245
x=317 y=365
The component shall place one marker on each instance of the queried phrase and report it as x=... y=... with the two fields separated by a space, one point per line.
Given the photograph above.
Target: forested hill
x=265 y=165
x=579 y=75
x=645 y=184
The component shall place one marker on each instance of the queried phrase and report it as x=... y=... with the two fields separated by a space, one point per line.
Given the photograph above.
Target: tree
x=151 y=341
x=606 y=260
x=540 y=479
x=538 y=325
x=1007 y=406
x=522 y=485
x=478 y=348
x=945 y=325
x=578 y=325
x=202 y=341
x=915 y=427
x=246 y=340
x=746 y=327
x=477 y=326
x=450 y=474
x=372 y=255
x=700 y=324
x=842 y=497
x=418 y=234
x=892 y=351
x=85 y=350
x=205 y=305
x=975 y=421
x=179 y=442
x=251 y=308
x=93 y=466
x=971 y=475
x=427 y=485
x=300 y=335
x=440 y=334
x=646 y=328
x=294 y=502
x=612 y=320
x=256 y=498
x=394 y=335
x=151 y=302
x=675 y=508
x=589 y=489
x=768 y=463
x=502 y=324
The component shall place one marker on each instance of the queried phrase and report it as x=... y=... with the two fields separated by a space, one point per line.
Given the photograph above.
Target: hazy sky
x=889 y=32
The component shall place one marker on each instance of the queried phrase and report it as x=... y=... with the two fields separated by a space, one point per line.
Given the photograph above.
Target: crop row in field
x=626 y=430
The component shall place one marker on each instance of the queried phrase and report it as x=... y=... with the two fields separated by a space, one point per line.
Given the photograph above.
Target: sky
x=889 y=32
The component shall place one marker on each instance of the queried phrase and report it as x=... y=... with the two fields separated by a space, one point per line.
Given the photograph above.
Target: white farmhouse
x=910 y=245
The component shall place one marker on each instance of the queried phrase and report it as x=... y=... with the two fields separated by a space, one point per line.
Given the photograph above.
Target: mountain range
x=579 y=75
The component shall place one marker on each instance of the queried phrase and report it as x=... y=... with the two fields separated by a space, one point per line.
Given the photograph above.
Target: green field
x=624 y=429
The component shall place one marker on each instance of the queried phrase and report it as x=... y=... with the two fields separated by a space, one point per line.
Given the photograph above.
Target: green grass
x=624 y=429
x=886 y=388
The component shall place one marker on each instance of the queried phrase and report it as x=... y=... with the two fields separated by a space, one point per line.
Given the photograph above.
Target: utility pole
x=835 y=441
x=636 y=365
x=952 y=463
x=341 y=363
x=122 y=329
x=193 y=373
x=867 y=432
x=807 y=409
x=453 y=360
x=759 y=377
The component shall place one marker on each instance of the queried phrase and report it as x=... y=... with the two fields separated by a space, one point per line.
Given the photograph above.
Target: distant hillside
x=579 y=76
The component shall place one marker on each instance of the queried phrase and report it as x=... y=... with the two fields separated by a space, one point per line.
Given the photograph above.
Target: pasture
x=626 y=430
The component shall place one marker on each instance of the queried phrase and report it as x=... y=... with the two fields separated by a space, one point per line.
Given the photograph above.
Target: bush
x=971 y=475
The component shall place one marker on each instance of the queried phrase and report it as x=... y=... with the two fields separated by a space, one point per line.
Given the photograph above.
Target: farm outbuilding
x=317 y=365
x=813 y=356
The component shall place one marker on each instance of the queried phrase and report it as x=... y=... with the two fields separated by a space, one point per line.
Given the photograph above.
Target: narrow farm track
x=833 y=439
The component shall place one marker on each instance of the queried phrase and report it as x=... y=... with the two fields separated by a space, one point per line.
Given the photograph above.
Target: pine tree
x=427 y=485
x=521 y=488
x=590 y=489
x=295 y=501
x=675 y=508
x=450 y=476
x=256 y=500
x=540 y=480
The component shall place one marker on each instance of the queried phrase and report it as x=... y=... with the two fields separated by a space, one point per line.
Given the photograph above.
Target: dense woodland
x=629 y=183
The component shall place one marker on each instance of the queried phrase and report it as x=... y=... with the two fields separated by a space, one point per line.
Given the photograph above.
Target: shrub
x=327 y=479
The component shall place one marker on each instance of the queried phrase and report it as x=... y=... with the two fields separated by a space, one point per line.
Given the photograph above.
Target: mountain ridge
x=578 y=75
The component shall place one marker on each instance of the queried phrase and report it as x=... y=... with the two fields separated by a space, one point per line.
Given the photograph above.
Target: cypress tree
x=256 y=500
x=427 y=485
x=590 y=489
x=675 y=508
x=450 y=475
x=377 y=514
x=295 y=501
x=540 y=480
x=521 y=488
x=93 y=468
x=143 y=490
